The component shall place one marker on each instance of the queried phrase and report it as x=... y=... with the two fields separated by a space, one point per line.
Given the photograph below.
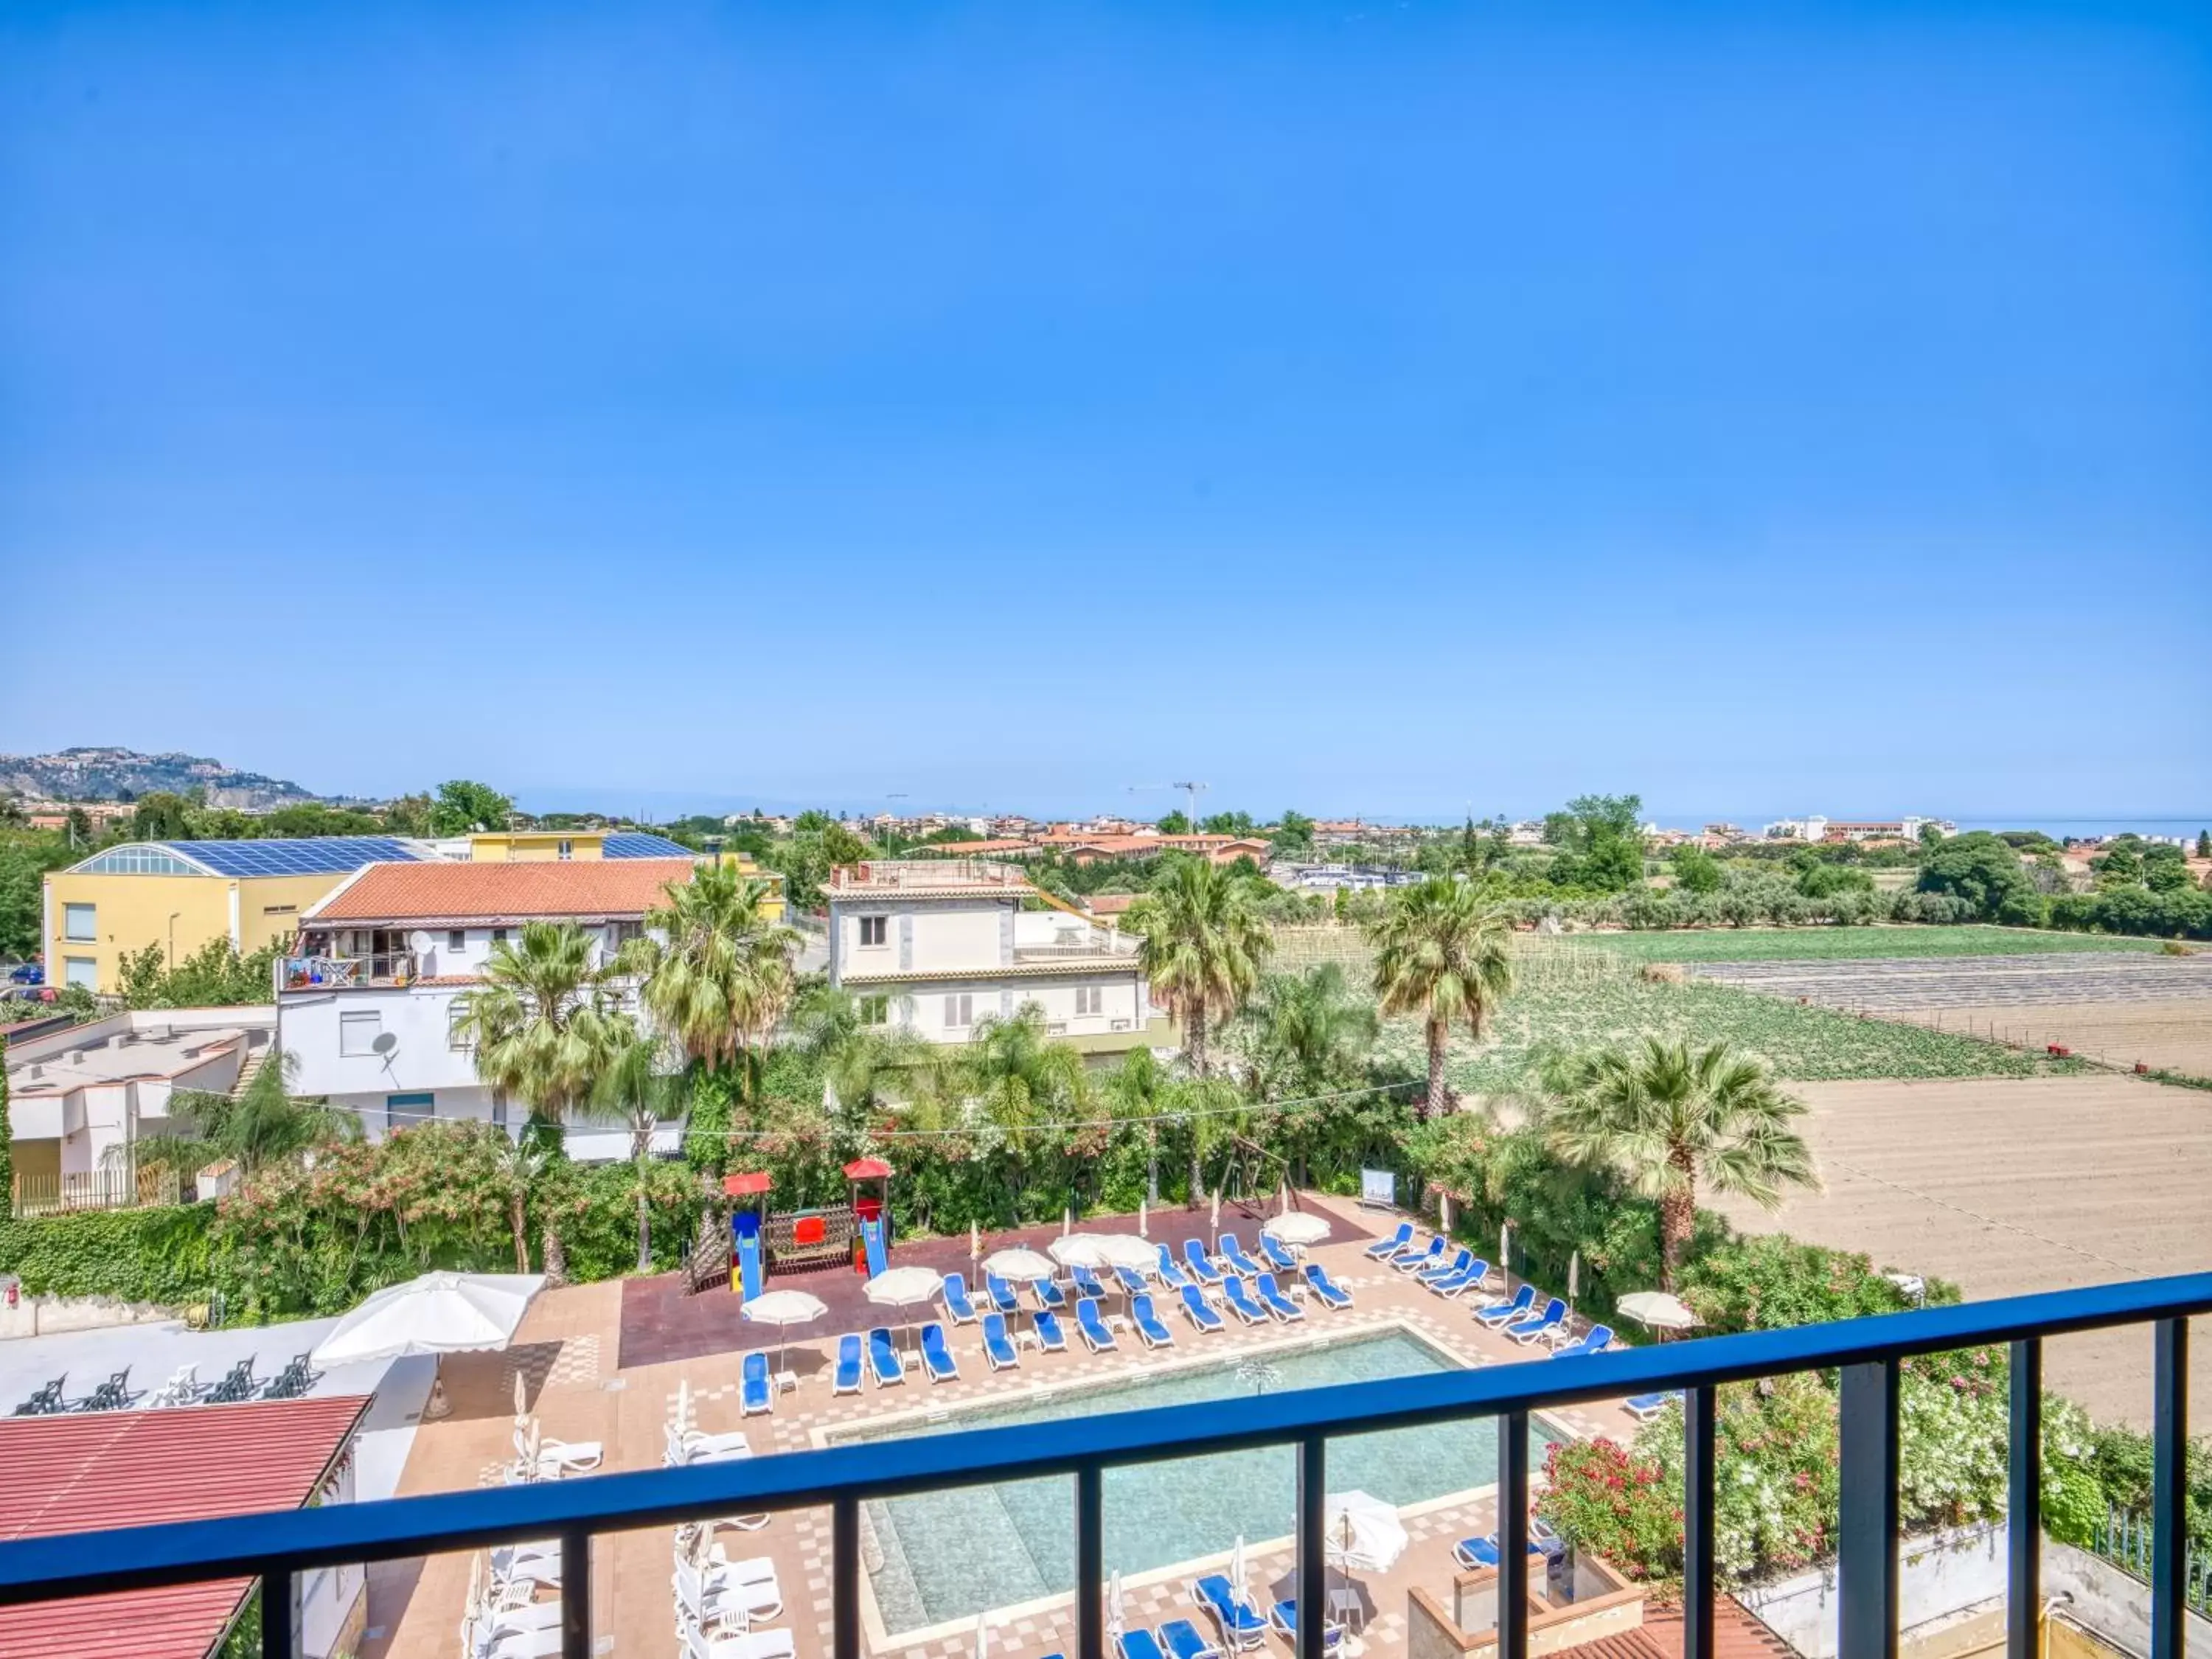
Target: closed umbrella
x=1068 y=1221
x=982 y=1638
x=1237 y=1581
x=903 y=1287
x=1506 y=1250
x=521 y=1396
x=1574 y=1276
x=1215 y=1224
x=1114 y=1613
x=784 y=1309
x=1300 y=1227
x=440 y=1313
x=1142 y=1230
x=974 y=1241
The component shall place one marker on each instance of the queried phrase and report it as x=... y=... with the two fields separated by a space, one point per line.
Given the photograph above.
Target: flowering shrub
x=1614 y=1504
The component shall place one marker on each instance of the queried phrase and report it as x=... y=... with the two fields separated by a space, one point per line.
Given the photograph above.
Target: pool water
x=945 y=1556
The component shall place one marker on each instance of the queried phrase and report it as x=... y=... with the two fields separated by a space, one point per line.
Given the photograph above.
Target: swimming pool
x=939 y=1557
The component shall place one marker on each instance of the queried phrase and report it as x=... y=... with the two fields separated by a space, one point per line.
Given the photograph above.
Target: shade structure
x=438 y=1313
x=1126 y=1251
x=1299 y=1227
x=867 y=1169
x=1364 y=1533
x=1657 y=1310
x=1079 y=1251
x=1021 y=1265
x=783 y=1308
x=749 y=1184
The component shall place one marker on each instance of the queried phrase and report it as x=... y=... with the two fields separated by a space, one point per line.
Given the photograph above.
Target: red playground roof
x=747 y=1185
x=867 y=1169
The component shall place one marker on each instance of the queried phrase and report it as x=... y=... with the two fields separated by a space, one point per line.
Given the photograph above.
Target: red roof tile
x=497 y=893
x=93 y=1470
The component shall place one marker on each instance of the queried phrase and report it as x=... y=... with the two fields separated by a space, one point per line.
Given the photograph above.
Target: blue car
x=27 y=973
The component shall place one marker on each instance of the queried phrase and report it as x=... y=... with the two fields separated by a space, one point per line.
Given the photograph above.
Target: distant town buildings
x=1818 y=829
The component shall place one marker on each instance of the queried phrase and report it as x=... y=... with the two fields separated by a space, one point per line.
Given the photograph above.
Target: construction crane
x=1191 y=789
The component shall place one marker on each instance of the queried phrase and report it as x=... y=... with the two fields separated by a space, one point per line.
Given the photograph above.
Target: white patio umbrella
x=1658 y=1310
x=1300 y=1227
x=440 y=1313
x=1364 y=1533
x=1127 y=1250
x=1079 y=1251
x=784 y=1309
x=1018 y=1265
x=903 y=1288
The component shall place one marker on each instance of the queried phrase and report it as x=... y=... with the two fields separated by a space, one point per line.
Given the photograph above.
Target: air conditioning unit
x=1119 y=1026
x=1056 y=1028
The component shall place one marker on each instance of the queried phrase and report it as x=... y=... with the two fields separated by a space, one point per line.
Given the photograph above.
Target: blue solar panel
x=313 y=856
x=635 y=844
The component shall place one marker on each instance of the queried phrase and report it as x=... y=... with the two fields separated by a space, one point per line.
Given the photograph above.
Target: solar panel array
x=635 y=844
x=309 y=856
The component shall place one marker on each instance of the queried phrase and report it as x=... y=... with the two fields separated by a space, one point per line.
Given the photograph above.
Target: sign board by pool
x=1378 y=1187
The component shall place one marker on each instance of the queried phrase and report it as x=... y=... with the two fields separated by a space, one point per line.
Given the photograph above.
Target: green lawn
x=1844 y=944
x=1798 y=1040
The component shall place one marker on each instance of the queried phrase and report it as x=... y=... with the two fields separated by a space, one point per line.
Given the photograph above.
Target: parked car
x=27 y=973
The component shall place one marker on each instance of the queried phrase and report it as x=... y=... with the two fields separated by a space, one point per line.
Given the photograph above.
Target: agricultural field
x=1845 y=943
x=1577 y=1010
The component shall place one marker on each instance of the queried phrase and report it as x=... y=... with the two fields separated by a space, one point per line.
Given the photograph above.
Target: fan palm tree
x=1310 y=1032
x=716 y=976
x=862 y=1064
x=539 y=1024
x=265 y=1123
x=638 y=1089
x=1442 y=953
x=1011 y=1078
x=520 y=1164
x=1204 y=946
x=1672 y=1118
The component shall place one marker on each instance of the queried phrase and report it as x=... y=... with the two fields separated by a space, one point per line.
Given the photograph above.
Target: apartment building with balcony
x=370 y=1001
x=935 y=946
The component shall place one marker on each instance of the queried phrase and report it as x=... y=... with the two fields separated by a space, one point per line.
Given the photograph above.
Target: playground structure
x=761 y=1241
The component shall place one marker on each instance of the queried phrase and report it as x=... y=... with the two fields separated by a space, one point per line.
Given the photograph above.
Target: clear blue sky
x=1395 y=407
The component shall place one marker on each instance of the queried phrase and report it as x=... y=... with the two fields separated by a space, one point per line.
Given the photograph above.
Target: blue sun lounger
x=1131 y=1280
x=1200 y=1312
x=1277 y=1304
x=1500 y=1313
x=1232 y=1253
x=1525 y=1331
x=936 y=1358
x=1195 y=1263
x=1418 y=1262
x=1435 y=1276
x=1050 y=1337
x=1272 y=1247
x=1599 y=1339
x=1137 y=1643
x=1180 y=1639
x=1483 y=1552
x=1240 y=1623
x=756 y=1391
x=1383 y=1248
x=957 y=1308
x=1645 y=1406
x=846 y=1379
x=1049 y=1296
x=1241 y=1303
x=1092 y=1328
x=1332 y=1294
x=1086 y=1282
x=997 y=1348
x=1147 y=1322
x=882 y=1358
x=1001 y=1294
x=1170 y=1275
x=1283 y=1616
x=1468 y=1278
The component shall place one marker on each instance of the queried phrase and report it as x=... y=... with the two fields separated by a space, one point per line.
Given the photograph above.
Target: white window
x=875 y=930
x=959 y=1010
x=357 y=1033
x=1090 y=998
x=81 y=923
x=875 y=1011
x=81 y=970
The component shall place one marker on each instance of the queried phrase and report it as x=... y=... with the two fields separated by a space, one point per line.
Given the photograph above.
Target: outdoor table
x=1345 y=1607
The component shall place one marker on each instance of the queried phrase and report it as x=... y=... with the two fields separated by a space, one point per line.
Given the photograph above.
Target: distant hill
x=125 y=773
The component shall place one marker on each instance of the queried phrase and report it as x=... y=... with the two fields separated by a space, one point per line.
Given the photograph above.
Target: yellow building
x=184 y=895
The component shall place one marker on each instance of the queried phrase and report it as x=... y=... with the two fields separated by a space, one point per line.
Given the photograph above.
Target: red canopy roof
x=747 y=1184
x=134 y=1469
x=867 y=1169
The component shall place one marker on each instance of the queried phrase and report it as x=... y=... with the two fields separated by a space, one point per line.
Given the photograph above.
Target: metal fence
x=279 y=1547
x=105 y=1188
x=2126 y=1541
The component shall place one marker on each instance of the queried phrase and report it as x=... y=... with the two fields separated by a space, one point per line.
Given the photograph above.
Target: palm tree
x=539 y=1025
x=1310 y=1033
x=264 y=1124
x=520 y=1164
x=1014 y=1079
x=1670 y=1118
x=1442 y=953
x=638 y=1090
x=1204 y=946
x=862 y=1064
x=717 y=977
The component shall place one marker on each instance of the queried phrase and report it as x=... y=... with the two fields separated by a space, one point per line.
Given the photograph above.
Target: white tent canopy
x=438 y=1313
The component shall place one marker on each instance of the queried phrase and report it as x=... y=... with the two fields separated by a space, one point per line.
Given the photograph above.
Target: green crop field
x=1573 y=1012
x=1844 y=944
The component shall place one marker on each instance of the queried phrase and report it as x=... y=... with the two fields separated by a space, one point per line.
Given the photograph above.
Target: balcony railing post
x=1313 y=1546
x=1866 y=1563
x=1698 y=1448
x=1513 y=1536
x=277 y=1589
x=2169 y=1537
x=845 y=1576
x=1090 y=1563
x=2024 y=1505
x=575 y=1594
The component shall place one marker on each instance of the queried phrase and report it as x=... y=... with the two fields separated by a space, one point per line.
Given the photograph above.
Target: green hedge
x=161 y=1256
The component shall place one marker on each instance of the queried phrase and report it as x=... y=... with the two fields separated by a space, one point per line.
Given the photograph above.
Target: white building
x=370 y=1003
x=936 y=946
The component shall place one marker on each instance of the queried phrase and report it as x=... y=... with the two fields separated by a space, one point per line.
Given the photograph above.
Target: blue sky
x=1387 y=407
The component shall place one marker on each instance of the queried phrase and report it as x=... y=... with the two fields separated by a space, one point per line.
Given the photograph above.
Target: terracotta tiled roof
x=92 y=1470
x=455 y=894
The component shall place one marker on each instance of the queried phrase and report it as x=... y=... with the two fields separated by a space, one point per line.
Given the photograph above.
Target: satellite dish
x=385 y=1043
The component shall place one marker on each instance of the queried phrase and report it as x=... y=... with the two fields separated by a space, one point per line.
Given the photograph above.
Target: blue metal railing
x=277 y=1547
